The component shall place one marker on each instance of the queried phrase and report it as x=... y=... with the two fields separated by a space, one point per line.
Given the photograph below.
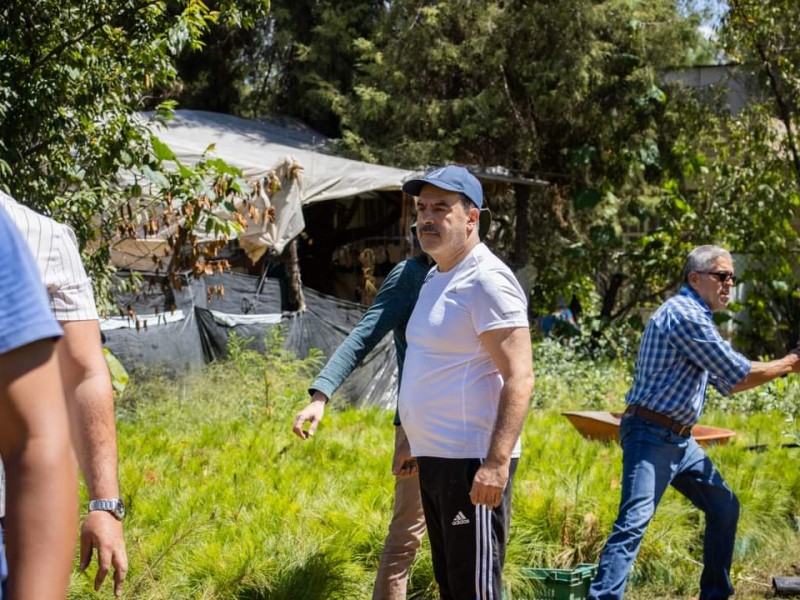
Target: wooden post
x=294 y=282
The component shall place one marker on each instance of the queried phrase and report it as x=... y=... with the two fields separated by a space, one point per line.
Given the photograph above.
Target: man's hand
x=403 y=464
x=312 y=414
x=488 y=485
x=764 y=372
x=102 y=531
x=795 y=354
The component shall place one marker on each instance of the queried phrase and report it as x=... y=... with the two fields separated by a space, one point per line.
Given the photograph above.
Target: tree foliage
x=764 y=35
x=757 y=176
x=74 y=77
x=568 y=93
x=735 y=179
x=218 y=75
x=633 y=172
x=288 y=63
x=308 y=57
x=638 y=171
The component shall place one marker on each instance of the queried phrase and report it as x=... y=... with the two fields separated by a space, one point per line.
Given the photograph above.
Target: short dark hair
x=466 y=202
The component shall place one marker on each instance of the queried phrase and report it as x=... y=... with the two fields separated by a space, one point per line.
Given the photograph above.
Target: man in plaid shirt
x=680 y=354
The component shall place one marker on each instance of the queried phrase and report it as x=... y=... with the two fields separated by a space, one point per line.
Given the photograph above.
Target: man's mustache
x=428 y=229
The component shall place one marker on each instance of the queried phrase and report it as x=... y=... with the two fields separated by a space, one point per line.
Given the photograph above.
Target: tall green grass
x=225 y=503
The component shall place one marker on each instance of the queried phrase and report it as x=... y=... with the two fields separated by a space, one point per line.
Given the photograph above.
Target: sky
x=716 y=9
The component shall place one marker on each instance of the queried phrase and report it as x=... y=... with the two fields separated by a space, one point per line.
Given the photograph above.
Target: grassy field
x=225 y=503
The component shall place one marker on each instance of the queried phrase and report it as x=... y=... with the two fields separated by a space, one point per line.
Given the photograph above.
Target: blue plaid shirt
x=681 y=352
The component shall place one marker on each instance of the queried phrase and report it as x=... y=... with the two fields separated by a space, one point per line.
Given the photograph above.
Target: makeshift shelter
x=181 y=329
x=261 y=150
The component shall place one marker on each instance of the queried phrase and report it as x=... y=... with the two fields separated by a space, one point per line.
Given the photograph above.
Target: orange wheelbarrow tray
x=603 y=425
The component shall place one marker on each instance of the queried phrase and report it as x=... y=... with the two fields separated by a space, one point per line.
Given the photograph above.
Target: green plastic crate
x=560 y=584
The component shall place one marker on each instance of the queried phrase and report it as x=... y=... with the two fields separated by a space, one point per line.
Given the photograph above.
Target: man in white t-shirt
x=87 y=385
x=467 y=383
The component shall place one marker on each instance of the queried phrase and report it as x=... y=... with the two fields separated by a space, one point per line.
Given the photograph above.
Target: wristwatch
x=113 y=505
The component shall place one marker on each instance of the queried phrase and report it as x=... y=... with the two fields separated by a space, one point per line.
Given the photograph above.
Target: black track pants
x=468 y=542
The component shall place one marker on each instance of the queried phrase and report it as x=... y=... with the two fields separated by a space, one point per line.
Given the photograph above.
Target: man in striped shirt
x=87 y=384
x=681 y=352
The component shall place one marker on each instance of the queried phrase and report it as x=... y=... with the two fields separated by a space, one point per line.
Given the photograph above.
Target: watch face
x=119 y=509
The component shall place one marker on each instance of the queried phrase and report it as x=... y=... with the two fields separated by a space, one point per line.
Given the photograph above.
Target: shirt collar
x=689 y=292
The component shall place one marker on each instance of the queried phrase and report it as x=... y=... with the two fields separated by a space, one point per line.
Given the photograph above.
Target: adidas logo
x=460 y=519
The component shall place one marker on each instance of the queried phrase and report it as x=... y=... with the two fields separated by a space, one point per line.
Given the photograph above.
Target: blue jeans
x=653 y=458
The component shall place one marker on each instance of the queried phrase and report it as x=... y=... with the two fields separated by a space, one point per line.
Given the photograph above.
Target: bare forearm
x=764 y=372
x=94 y=435
x=41 y=518
x=514 y=402
x=510 y=350
x=90 y=402
x=40 y=470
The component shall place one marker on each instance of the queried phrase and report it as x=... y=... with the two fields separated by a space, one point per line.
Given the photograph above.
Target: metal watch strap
x=113 y=505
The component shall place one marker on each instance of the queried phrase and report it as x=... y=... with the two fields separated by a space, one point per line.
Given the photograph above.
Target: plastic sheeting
x=260 y=149
x=251 y=308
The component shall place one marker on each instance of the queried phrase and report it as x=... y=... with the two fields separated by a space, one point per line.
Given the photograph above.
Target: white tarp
x=140 y=321
x=259 y=149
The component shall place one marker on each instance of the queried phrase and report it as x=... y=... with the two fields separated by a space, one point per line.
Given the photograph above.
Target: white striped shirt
x=55 y=249
x=58 y=259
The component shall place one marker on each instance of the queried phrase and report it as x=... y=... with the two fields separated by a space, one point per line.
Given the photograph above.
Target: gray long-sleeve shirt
x=389 y=312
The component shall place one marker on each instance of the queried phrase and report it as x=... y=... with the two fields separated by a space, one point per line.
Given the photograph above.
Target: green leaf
x=240 y=185
x=649 y=154
x=681 y=205
x=161 y=150
x=779 y=285
x=721 y=317
x=186 y=172
x=586 y=198
x=154 y=177
x=119 y=376
x=657 y=94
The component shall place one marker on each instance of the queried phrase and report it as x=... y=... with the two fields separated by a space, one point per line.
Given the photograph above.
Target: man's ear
x=474 y=216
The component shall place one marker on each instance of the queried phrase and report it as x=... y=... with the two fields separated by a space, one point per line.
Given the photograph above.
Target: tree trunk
x=783 y=112
x=522 y=209
x=610 y=297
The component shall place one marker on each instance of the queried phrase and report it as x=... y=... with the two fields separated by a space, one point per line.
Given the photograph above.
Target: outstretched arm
x=40 y=470
x=90 y=404
x=510 y=349
x=391 y=308
x=764 y=372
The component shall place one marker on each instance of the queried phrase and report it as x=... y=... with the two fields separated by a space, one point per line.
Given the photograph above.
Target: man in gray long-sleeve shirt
x=389 y=312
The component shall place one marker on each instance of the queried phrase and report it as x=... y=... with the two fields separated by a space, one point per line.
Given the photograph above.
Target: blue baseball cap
x=453 y=179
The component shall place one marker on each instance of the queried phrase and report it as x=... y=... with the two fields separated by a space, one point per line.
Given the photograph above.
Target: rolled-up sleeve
x=700 y=342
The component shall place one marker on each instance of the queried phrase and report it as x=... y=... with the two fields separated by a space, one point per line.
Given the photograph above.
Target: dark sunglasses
x=721 y=276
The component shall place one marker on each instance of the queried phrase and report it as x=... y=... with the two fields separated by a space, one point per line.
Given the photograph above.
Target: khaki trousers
x=404 y=538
